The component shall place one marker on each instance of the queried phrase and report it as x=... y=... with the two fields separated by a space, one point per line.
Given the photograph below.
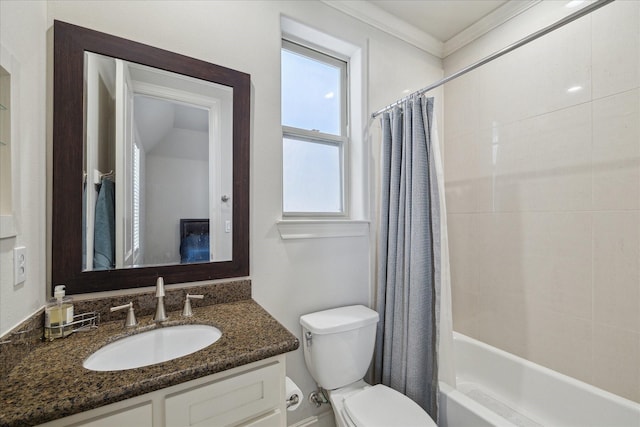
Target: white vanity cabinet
x=250 y=395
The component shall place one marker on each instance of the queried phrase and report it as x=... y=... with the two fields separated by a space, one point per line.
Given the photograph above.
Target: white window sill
x=324 y=228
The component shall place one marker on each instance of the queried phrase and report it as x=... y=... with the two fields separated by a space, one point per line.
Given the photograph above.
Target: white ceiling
x=442 y=19
x=157 y=118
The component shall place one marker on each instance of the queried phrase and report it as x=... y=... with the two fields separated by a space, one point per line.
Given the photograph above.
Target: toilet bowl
x=338 y=347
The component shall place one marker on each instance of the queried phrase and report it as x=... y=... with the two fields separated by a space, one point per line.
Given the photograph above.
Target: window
x=314 y=124
x=136 y=201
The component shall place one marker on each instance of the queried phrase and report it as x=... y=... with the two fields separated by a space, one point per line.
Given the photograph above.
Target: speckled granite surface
x=145 y=303
x=15 y=345
x=50 y=382
x=19 y=342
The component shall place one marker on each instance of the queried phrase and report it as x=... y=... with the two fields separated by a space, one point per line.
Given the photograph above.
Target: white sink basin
x=151 y=347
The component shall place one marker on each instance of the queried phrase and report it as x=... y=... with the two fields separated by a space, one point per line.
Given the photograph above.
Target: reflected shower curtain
x=104 y=240
x=414 y=340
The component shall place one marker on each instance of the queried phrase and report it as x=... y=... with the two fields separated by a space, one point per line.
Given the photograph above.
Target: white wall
x=162 y=231
x=291 y=277
x=178 y=165
x=23 y=35
x=543 y=192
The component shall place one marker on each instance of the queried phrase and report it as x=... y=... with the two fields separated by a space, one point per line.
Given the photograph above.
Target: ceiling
x=442 y=19
x=157 y=119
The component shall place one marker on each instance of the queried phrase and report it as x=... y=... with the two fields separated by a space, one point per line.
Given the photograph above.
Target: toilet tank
x=338 y=344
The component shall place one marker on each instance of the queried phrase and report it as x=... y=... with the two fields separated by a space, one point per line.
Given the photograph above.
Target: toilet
x=338 y=346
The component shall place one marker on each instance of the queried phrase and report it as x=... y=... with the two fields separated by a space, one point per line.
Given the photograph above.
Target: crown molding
x=384 y=21
x=496 y=18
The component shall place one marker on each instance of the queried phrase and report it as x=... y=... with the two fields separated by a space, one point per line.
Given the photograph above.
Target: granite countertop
x=50 y=382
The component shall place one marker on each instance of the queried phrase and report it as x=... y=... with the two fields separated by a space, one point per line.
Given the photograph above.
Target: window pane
x=312 y=176
x=311 y=94
x=136 y=198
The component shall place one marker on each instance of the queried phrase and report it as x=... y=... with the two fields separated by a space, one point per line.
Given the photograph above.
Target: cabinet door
x=226 y=402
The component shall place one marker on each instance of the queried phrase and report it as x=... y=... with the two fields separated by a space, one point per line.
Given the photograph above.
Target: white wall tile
x=465 y=312
x=562 y=141
x=616 y=151
x=616 y=48
x=468 y=173
x=462 y=247
x=461 y=108
x=616 y=269
x=556 y=262
x=499 y=243
x=514 y=168
x=502 y=321
x=544 y=162
x=615 y=361
x=560 y=342
x=535 y=79
x=553 y=267
x=459 y=177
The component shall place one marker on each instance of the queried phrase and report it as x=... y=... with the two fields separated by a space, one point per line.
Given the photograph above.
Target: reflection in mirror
x=150 y=165
x=157 y=148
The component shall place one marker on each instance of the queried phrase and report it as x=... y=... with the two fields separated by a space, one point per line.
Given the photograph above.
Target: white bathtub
x=496 y=388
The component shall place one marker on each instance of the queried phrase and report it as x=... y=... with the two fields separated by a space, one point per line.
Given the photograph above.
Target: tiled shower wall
x=542 y=165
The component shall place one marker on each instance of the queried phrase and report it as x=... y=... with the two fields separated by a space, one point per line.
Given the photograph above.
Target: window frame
x=315 y=136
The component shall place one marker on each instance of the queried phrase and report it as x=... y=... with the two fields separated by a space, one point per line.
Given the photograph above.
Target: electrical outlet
x=19 y=265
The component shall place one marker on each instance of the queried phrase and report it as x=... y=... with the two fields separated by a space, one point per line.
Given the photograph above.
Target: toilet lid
x=382 y=406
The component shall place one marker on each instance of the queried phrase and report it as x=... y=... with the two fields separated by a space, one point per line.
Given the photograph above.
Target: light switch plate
x=19 y=265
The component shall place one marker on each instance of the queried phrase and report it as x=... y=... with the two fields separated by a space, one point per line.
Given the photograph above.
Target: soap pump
x=58 y=315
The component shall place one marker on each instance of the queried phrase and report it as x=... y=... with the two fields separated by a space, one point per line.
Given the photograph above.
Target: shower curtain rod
x=531 y=37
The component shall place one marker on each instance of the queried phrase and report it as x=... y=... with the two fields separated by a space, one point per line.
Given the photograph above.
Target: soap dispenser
x=58 y=315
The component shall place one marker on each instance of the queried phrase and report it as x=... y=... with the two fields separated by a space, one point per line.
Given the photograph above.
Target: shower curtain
x=414 y=336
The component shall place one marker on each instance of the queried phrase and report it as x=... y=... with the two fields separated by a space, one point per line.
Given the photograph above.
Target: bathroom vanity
x=251 y=395
x=238 y=380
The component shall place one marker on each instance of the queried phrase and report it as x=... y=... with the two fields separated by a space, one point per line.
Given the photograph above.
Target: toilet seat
x=381 y=406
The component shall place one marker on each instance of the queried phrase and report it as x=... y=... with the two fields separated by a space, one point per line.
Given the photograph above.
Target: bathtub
x=496 y=388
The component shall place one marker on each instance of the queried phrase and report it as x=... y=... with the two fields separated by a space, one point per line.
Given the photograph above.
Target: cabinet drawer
x=140 y=416
x=228 y=401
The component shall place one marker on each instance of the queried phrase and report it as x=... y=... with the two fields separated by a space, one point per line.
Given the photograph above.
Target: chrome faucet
x=187 y=311
x=160 y=316
x=130 y=321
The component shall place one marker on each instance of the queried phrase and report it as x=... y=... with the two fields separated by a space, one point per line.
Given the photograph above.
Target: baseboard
x=325 y=419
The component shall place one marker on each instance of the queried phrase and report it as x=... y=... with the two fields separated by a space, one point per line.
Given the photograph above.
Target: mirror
x=157 y=167
x=150 y=165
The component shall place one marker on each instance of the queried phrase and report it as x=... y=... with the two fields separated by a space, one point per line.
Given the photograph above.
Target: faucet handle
x=186 y=312
x=130 y=321
x=160 y=287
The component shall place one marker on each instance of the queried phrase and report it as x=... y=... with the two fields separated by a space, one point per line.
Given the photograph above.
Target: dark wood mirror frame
x=70 y=44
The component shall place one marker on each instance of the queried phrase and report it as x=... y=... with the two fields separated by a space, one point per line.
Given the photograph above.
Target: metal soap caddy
x=81 y=322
